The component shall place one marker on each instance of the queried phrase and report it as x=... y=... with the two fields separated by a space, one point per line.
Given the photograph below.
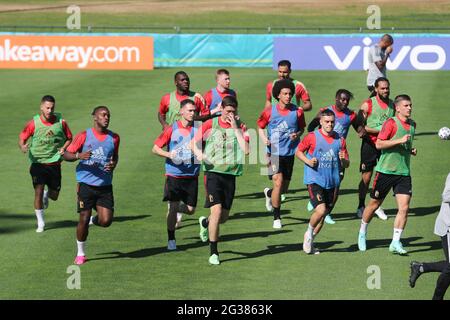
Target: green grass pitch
x=129 y=260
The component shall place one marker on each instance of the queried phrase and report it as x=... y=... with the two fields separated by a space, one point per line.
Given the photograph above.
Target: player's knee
x=105 y=223
x=53 y=195
x=403 y=210
x=190 y=210
x=277 y=182
x=321 y=209
x=223 y=219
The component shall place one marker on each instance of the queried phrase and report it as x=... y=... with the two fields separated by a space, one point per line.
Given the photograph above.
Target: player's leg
x=271 y=169
x=54 y=183
x=442 y=283
x=277 y=180
x=172 y=189
x=87 y=197
x=213 y=232
x=418 y=268
x=188 y=196
x=328 y=219
x=369 y=156
x=104 y=205
x=316 y=194
x=287 y=169
x=403 y=192
x=381 y=187
x=363 y=187
x=39 y=207
x=209 y=226
x=367 y=216
x=171 y=221
x=329 y=199
x=400 y=222
x=444 y=278
x=82 y=234
x=39 y=179
x=285 y=188
x=104 y=216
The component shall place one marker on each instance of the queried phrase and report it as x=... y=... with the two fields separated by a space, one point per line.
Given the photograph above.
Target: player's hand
x=110 y=166
x=231 y=119
x=294 y=136
x=405 y=138
x=217 y=109
x=361 y=131
x=200 y=156
x=84 y=155
x=414 y=151
x=313 y=162
x=172 y=154
x=61 y=151
x=266 y=142
x=341 y=155
x=24 y=148
x=389 y=49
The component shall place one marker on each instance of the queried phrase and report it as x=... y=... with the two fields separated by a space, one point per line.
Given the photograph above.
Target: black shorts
x=341 y=173
x=46 y=174
x=181 y=189
x=219 y=189
x=319 y=195
x=382 y=183
x=369 y=156
x=89 y=197
x=281 y=164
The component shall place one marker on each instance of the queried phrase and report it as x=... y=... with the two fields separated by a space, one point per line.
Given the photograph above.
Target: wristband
x=76 y=155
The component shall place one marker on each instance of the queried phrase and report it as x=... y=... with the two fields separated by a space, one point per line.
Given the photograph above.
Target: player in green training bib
x=49 y=137
x=393 y=171
x=226 y=144
x=373 y=113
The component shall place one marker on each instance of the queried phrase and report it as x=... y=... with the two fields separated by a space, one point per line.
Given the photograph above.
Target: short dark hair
x=388 y=37
x=381 y=79
x=285 y=63
x=401 y=97
x=282 y=84
x=222 y=71
x=185 y=102
x=327 y=113
x=99 y=108
x=229 y=101
x=180 y=73
x=48 y=98
x=344 y=91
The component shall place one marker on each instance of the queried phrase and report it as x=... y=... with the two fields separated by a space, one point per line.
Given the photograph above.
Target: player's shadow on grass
x=73 y=223
x=277 y=249
x=429 y=133
x=260 y=195
x=256 y=214
x=148 y=252
x=7 y=218
x=408 y=243
x=422 y=211
x=391 y=213
x=298 y=219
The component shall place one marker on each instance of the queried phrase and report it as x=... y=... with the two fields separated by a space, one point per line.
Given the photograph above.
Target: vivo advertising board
x=350 y=52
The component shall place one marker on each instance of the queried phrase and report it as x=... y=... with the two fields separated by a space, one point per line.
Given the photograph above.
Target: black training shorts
x=49 y=175
x=219 y=189
x=181 y=189
x=89 y=197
